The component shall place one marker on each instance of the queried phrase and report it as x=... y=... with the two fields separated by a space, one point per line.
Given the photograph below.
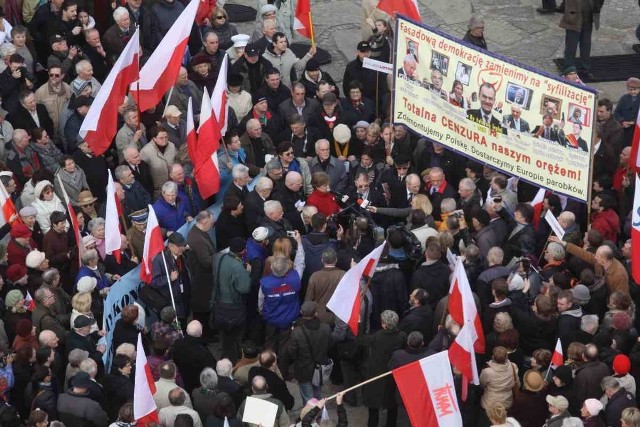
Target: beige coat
x=55 y=102
x=322 y=284
x=497 y=380
x=159 y=163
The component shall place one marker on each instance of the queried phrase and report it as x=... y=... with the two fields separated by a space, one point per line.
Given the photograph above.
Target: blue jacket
x=171 y=217
x=255 y=250
x=225 y=173
x=281 y=302
x=7 y=374
x=103 y=282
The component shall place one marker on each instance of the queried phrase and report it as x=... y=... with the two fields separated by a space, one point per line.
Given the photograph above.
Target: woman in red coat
x=321 y=197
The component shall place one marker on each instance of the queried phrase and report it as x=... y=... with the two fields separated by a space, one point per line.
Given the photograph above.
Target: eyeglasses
x=402 y=167
x=54 y=75
x=290 y=153
x=48 y=297
x=221 y=17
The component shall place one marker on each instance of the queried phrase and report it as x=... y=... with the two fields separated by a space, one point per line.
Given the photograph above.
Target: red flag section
x=462 y=306
x=8 y=207
x=537 y=204
x=408 y=8
x=153 y=245
x=100 y=125
x=428 y=392
x=346 y=299
x=204 y=10
x=161 y=70
x=204 y=154
x=302 y=20
x=76 y=231
x=557 y=359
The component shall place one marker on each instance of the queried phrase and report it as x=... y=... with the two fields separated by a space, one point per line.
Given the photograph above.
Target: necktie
x=433 y=190
x=485 y=118
x=410 y=198
x=547 y=133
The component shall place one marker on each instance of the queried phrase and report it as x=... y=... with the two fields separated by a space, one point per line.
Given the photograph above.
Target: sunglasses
x=221 y=17
x=54 y=75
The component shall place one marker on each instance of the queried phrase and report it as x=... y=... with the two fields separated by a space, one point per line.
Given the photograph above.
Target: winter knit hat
x=621 y=364
x=23 y=328
x=594 y=406
x=12 y=298
x=16 y=272
x=34 y=258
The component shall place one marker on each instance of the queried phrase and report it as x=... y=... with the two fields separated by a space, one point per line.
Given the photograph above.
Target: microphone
x=342 y=197
x=363 y=203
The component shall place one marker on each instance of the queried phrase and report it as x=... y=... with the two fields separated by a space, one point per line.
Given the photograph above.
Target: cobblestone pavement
x=513 y=29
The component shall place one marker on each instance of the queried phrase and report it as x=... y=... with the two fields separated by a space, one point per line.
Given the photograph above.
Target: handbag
x=321 y=371
x=153 y=299
x=227 y=314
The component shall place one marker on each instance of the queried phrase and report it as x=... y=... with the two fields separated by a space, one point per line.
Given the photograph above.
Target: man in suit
x=514 y=121
x=238 y=187
x=548 y=131
x=371 y=197
x=137 y=198
x=484 y=115
x=254 y=202
x=140 y=168
x=438 y=189
x=408 y=70
x=24 y=116
x=574 y=140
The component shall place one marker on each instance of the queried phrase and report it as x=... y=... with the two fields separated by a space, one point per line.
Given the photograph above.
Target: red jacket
x=607 y=223
x=325 y=202
x=17 y=254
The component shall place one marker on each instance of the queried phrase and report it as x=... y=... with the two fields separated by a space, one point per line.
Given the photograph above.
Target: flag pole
x=353 y=387
x=168 y=100
x=313 y=37
x=173 y=302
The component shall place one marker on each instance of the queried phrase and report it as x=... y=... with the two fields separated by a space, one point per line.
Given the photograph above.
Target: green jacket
x=231 y=282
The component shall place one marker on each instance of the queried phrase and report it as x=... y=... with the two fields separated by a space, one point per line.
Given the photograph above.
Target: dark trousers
x=548 y=4
x=277 y=339
x=573 y=40
x=230 y=340
x=374 y=417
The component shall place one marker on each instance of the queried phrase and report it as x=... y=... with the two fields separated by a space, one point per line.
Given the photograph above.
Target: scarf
x=330 y=121
x=262 y=119
x=341 y=152
x=74 y=179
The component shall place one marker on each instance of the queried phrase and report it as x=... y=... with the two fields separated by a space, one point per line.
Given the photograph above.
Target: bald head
x=293 y=180
x=566 y=219
x=194 y=329
x=253 y=124
x=48 y=338
x=259 y=384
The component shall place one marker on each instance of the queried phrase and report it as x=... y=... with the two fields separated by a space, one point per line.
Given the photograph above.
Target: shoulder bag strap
x=217 y=283
x=304 y=332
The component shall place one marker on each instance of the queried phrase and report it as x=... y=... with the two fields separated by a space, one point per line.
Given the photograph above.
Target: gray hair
x=89 y=255
x=280 y=266
x=7 y=49
x=467 y=184
x=610 y=382
x=495 y=255
x=203 y=216
x=568 y=217
x=95 y=223
x=239 y=171
x=89 y=366
x=253 y=124
x=321 y=141
x=267 y=22
x=18 y=134
x=556 y=250
x=448 y=205
x=309 y=210
x=120 y=13
x=209 y=378
x=263 y=183
x=502 y=322
x=389 y=318
x=411 y=178
x=169 y=187
x=120 y=171
x=82 y=64
x=589 y=323
x=409 y=58
x=475 y=22
x=272 y=165
x=224 y=367
x=451 y=325
x=50 y=275
x=572 y=422
x=329 y=257
x=271 y=206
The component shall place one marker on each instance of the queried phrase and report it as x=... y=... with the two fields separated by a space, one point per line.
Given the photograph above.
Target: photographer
x=521 y=240
x=6 y=371
x=63 y=56
x=317 y=241
x=14 y=80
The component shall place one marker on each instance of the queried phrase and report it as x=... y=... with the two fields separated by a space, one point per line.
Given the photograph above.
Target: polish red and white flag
x=8 y=207
x=408 y=8
x=462 y=306
x=634 y=158
x=537 y=203
x=204 y=154
x=100 y=124
x=161 y=70
x=219 y=102
x=635 y=234
x=112 y=239
x=29 y=303
x=145 y=410
x=428 y=391
x=153 y=245
x=302 y=20
x=347 y=299
x=557 y=358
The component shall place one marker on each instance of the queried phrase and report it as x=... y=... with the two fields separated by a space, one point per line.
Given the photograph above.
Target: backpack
x=412 y=246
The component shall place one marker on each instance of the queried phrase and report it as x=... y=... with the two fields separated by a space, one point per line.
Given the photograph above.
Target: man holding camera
x=14 y=80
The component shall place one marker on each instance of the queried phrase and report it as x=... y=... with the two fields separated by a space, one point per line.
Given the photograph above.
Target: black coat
x=253 y=210
x=199 y=259
x=520 y=244
x=142 y=175
x=275 y=97
x=119 y=390
x=355 y=71
x=288 y=200
x=381 y=346
x=620 y=400
x=433 y=278
x=233 y=389
x=191 y=356
x=228 y=227
x=124 y=333
x=388 y=290
x=277 y=386
x=419 y=319
x=95 y=169
x=535 y=331
x=88 y=343
x=22 y=119
x=308 y=350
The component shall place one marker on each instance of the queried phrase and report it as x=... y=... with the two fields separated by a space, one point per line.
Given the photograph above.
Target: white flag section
x=345 y=301
x=112 y=240
x=554 y=224
x=144 y=407
x=375 y=65
x=219 y=98
x=260 y=412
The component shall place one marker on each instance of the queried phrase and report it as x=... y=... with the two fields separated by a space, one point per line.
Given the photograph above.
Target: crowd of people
x=313 y=177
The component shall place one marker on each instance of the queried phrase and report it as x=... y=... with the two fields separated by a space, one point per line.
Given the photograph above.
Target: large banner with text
x=503 y=114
